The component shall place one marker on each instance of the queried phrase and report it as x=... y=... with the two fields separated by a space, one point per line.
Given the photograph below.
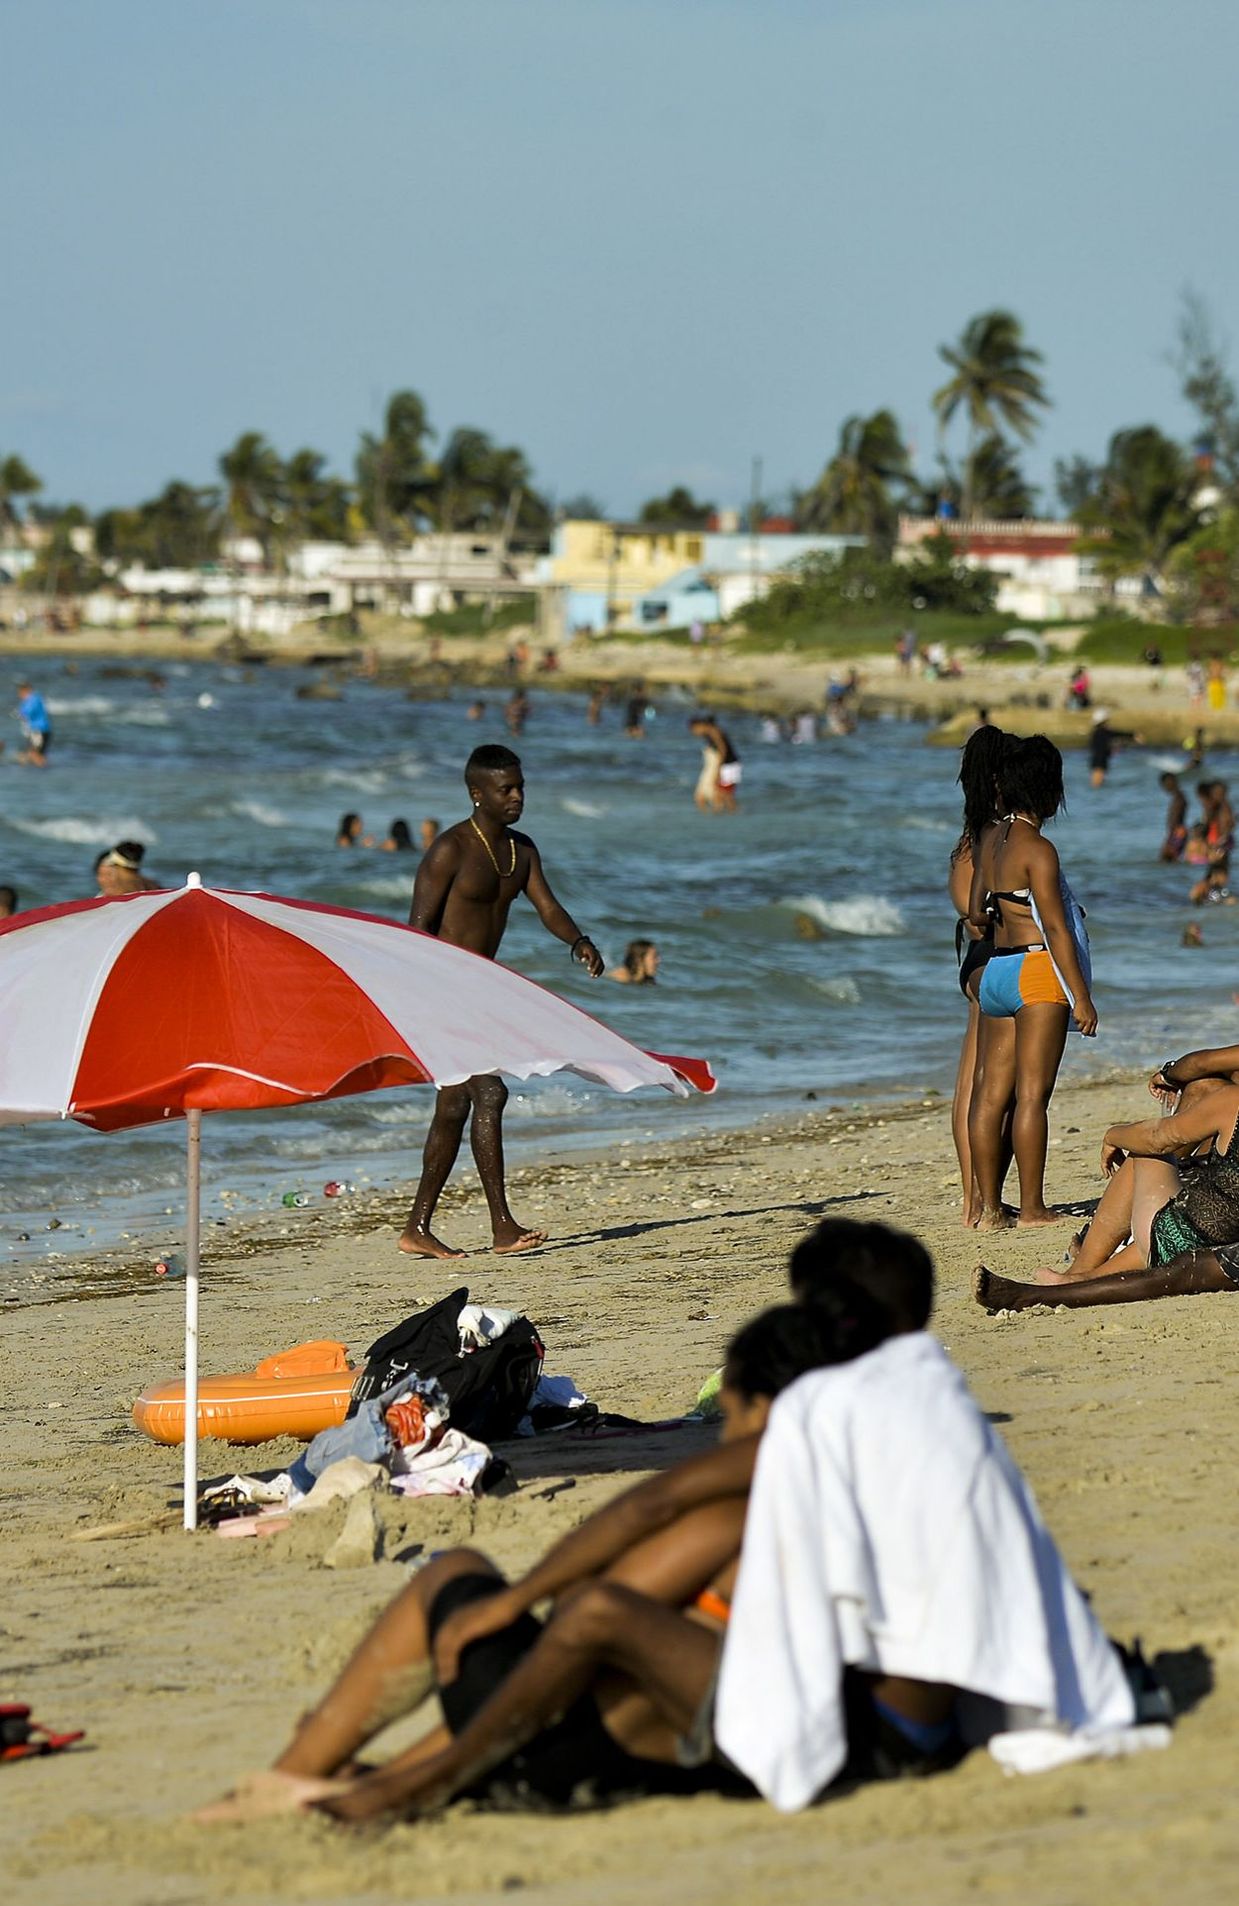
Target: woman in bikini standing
x=979 y=771
x=1036 y=977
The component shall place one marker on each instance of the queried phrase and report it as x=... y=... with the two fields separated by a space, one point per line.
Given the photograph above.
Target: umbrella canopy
x=171 y=1004
x=123 y=1012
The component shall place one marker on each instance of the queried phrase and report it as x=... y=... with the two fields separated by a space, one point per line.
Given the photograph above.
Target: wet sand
x=187 y=1659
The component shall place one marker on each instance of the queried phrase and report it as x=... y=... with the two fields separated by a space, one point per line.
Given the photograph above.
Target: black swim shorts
x=575 y=1763
x=971 y=955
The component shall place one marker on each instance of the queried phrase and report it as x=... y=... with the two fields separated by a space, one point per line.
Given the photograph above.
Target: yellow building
x=602 y=568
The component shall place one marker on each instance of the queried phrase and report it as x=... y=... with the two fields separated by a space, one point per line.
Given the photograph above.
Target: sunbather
x=1170 y=1207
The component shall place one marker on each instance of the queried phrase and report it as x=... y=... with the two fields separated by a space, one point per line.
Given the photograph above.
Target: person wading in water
x=464 y=889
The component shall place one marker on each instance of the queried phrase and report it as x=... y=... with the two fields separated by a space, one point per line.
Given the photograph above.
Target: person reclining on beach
x=932 y=1521
x=1167 y=1224
x=656 y=1565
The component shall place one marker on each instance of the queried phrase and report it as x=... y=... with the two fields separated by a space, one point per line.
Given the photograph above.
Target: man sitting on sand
x=922 y=1575
x=1167 y=1224
x=466 y=883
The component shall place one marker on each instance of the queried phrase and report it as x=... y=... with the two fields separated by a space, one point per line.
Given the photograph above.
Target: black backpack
x=489 y=1389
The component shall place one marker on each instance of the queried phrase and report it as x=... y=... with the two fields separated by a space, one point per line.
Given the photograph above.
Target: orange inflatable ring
x=297 y=1393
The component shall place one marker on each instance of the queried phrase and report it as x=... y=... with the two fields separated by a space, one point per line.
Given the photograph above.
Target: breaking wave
x=81 y=832
x=868 y=915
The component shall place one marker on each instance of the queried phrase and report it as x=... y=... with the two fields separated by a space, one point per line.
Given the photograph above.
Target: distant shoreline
x=1026 y=697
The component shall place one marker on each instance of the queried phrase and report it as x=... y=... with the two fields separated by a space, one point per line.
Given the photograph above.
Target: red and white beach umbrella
x=167 y=1005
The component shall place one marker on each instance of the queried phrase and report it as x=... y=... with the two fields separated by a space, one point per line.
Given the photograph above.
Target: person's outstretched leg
x=1156 y=1182
x=991 y=1095
x=388 y=1674
x=1040 y=1035
x=1108 y=1232
x=664 y=1654
x=960 y=1107
x=489 y=1095
x=1186 y=1276
x=447 y=1128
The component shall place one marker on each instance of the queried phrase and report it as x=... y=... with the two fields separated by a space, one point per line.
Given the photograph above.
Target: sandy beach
x=186 y=1659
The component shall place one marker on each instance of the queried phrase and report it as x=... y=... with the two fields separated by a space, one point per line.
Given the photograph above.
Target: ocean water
x=226 y=772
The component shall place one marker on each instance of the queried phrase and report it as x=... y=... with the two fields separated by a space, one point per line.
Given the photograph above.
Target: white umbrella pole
x=193 y=1121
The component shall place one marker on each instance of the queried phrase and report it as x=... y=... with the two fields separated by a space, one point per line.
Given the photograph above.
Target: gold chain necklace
x=490 y=852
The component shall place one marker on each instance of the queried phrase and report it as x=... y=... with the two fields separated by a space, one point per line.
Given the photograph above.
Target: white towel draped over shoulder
x=1075 y=917
x=889 y=1529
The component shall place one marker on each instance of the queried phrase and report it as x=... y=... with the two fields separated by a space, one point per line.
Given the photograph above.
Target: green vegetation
x=679 y=508
x=474 y=618
x=1121 y=638
x=861 y=586
x=874 y=634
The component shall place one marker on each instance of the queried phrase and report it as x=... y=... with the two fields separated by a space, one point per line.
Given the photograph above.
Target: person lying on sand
x=591 y=1705
x=1173 y=1195
x=466 y=883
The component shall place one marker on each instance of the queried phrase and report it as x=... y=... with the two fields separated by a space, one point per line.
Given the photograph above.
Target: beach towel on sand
x=888 y=1529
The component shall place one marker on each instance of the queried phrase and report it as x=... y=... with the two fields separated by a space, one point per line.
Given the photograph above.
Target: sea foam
x=80 y=832
x=867 y=915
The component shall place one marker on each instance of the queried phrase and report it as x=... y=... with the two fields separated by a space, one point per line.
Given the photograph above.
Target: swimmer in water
x=36 y=724
x=118 y=870
x=639 y=966
x=725 y=770
x=350 y=832
x=400 y=840
x=1175 y=842
x=428 y=833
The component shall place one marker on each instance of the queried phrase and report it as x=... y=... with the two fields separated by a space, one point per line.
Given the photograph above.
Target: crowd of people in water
x=1206 y=844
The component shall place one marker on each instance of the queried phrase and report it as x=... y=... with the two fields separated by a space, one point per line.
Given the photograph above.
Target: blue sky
x=645 y=239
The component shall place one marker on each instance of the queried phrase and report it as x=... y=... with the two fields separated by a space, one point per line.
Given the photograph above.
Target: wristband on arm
x=582 y=939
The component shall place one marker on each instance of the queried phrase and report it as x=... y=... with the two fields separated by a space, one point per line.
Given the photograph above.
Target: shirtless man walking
x=464 y=889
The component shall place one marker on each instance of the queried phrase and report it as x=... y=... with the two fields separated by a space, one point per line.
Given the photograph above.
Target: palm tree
x=477 y=480
x=996 y=484
x=178 y=529
x=16 y=479
x=254 y=493
x=994 y=382
x=395 y=478
x=1143 y=505
x=679 y=508
x=853 y=493
x=317 y=504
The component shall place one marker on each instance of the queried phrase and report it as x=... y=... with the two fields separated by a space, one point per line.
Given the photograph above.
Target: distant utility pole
x=499 y=556
x=754 y=548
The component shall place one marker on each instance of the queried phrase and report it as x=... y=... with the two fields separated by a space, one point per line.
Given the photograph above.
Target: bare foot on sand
x=261 y=1795
x=1040 y=1215
x=1000 y=1220
x=993 y=1292
x=512 y=1238
x=419 y=1243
